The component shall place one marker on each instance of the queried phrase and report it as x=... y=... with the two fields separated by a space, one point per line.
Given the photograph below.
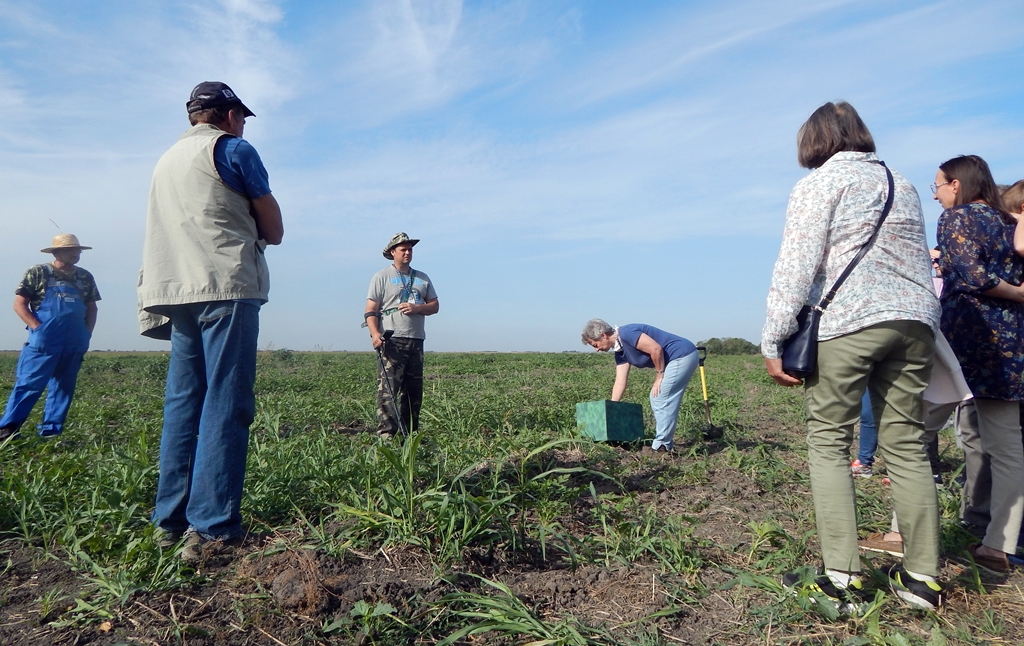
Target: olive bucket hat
x=64 y=241
x=396 y=240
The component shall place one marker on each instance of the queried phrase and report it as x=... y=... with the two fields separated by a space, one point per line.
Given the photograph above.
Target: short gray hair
x=595 y=329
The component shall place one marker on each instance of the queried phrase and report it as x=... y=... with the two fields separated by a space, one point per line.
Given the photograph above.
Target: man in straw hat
x=203 y=280
x=57 y=301
x=399 y=299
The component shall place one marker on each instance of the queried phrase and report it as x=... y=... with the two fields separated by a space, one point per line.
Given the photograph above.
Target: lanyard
x=407 y=288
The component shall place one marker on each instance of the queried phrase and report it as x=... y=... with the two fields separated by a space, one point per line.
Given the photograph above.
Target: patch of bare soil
x=34 y=590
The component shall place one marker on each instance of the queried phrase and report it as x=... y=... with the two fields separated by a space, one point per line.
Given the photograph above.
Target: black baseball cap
x=210 y=94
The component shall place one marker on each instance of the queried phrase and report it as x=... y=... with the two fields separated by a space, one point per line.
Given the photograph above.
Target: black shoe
x=977 y=531
x=661 y=450
x=851 y=600
x=917 y=593
x=9 y=431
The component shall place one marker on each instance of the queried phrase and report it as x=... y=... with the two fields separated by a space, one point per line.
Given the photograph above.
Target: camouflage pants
x=403 y=365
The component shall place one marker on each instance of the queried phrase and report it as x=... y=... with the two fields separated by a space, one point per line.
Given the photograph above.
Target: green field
x=496 y=525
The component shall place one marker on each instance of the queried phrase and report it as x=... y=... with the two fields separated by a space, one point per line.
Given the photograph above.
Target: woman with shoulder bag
x=877 y=312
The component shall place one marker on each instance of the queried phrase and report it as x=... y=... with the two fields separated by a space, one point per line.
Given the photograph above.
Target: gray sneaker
x=196 y=547
x=861 y=470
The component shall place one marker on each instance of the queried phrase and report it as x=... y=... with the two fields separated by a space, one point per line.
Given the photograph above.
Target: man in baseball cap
x=210 y=94
x=57 y=302
x=398 y=300
x=204 y=278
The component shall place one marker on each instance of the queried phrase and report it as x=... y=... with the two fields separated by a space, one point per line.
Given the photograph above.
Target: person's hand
x=376 y=340
x=656 y=388
x=935 y=255
x=775 y=372
x=406 y=308
x=34 y=324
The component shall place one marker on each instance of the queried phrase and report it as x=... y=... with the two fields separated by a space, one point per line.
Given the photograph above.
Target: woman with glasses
x=876 y=335
x=983 y=319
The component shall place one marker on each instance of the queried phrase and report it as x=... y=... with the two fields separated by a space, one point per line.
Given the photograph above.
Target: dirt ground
x=274 y=591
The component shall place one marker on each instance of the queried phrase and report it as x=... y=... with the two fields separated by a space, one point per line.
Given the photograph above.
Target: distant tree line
x=730 y=346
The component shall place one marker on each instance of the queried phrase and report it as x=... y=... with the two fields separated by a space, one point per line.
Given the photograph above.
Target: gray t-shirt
x=389 y=288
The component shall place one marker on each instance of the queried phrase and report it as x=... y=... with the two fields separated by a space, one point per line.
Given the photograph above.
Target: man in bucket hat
x=398 y=300
x=57 y=302
x=203 y=280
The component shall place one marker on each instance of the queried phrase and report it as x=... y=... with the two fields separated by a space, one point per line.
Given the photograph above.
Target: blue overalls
x=52 y=356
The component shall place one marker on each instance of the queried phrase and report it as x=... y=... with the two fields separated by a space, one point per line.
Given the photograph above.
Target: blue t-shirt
x=674 y=347
x=240 y=167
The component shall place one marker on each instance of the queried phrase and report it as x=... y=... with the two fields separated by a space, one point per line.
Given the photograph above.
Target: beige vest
x=201 y=240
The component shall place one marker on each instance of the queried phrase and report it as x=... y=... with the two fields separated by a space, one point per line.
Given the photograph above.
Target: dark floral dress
x=985 y=333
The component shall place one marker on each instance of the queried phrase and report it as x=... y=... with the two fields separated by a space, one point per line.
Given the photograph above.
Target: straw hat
x=64 y=241
x=396 y=240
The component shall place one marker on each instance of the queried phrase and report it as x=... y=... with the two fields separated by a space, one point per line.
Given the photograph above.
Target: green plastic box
x=606 y=420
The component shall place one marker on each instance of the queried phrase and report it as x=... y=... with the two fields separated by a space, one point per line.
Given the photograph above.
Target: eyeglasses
x=935 y=187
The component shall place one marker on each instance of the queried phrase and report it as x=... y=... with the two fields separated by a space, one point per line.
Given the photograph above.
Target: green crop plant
x=497 y=482
x=505 y=614
x=48 y=601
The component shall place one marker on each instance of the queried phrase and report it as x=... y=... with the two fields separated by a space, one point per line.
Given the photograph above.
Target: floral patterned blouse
x=832 y=213
x=984 y=332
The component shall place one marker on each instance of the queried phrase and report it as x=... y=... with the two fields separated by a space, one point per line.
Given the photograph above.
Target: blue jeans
x=36 y=370
x=209 y=405
x=666 y=405
x=868 y=442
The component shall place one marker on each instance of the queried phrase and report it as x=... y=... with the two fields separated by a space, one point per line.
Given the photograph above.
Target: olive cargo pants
x=893 y=360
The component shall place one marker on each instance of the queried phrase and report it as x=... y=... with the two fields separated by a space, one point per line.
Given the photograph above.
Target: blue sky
x=560 y=160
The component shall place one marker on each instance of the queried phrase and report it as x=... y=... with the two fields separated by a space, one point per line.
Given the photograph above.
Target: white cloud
x=563 y=129
x=240 y=46
x=396 y=58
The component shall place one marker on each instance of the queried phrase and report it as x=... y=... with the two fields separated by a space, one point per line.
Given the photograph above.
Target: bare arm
x=268 y=218
x=426 y=309
x=90 y=316
x=373 y=322
x=1007 y=291
x=775 y=372
x=24 y=312
x=621 y=377
x=649 y=346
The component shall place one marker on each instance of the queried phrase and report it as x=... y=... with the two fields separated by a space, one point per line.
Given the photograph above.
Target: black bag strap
x=826 y=300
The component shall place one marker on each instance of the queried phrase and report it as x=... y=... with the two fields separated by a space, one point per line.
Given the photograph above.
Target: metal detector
x=387 y=334
x=710 y=431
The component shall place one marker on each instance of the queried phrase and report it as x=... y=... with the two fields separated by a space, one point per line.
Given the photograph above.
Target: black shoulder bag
x=800 y=351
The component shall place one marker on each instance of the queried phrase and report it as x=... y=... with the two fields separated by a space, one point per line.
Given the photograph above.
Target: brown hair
x=1013 y=197
x=976 y=183
x=215 y=116
x=832 y=128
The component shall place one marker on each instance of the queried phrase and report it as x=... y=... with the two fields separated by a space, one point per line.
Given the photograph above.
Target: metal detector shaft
x=384 y=337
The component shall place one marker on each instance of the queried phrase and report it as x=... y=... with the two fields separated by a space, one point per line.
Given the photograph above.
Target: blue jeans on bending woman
x=208 y=407
x=666 y=405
